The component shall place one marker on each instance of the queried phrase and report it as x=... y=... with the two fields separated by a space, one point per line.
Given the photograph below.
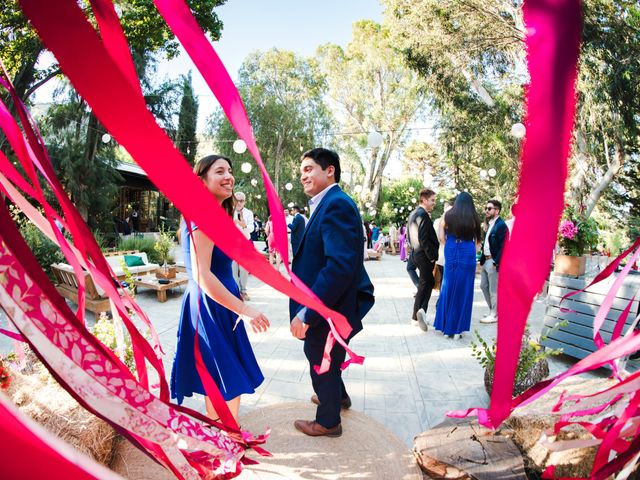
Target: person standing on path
x=329 y=261
x=244 y=221
x=497 y=233
x=393 y=238
x=438 y=226
x=424 y=244
x=212 y=303
x=461 y=227
x=402 y=242
x=296 y=227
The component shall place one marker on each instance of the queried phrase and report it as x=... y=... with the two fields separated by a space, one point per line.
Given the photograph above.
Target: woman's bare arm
x=201 y=251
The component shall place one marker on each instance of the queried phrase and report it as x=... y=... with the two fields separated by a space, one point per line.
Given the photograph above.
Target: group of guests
x=327 y=257
x=448 y=248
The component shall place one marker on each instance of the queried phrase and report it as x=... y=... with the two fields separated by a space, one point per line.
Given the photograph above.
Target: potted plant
x=163 y=247
x=577 y=235
x=532 y=364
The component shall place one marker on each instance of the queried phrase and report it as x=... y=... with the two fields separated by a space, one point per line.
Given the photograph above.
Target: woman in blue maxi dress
x=212 y=302
x=461 y=227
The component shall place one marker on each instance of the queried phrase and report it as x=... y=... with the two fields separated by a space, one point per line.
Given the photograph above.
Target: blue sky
x=296 y=25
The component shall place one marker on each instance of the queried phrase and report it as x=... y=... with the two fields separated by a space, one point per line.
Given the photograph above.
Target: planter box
x=570 y=265
x=166 y=272
x=537 y=373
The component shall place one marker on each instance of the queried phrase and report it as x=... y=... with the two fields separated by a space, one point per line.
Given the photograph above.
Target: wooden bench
x=576 y=338
x=67 y=285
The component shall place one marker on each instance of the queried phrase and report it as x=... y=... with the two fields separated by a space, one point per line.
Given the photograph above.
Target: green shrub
x=105 y=331
x=164 y=246
x=46 y=252
x=531 y=352
x=141 y=244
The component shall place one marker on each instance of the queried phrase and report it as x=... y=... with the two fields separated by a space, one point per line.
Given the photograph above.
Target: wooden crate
x=576 y=338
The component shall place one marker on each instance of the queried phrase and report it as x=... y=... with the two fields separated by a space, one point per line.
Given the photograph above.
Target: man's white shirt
x=247 y=216
x=485 y=248
x=315 y=200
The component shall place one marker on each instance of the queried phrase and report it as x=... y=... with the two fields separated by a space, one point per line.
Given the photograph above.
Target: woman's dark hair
x=201 y=168
x=462 y=220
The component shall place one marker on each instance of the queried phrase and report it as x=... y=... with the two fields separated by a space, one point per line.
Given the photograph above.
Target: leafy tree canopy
x=283 y=95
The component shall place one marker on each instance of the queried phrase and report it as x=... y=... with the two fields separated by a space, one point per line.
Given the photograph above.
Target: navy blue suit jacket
x=329 y=260
x=499 y=233
x=297 y=230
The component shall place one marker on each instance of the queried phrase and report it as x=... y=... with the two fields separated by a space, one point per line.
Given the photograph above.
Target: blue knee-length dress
x=226 y=352
x=453 y=314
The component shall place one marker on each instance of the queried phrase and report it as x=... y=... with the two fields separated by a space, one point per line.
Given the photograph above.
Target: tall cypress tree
x=186 y=139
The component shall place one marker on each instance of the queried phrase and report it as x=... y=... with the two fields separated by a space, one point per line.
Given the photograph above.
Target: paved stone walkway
x=409 y=379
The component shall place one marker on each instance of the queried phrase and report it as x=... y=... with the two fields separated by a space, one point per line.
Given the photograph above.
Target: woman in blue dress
x=212 y=301
x=461 y=227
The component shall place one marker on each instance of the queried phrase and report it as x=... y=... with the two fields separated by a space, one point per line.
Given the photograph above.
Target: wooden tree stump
x=461 y=449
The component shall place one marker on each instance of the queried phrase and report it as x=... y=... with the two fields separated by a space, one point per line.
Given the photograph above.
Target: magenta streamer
x=553 y=42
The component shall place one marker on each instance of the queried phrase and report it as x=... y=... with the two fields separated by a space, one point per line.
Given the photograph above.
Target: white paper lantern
x=289 y=186
x=254 y=182
x=395 y=210
x=290 y=204
x=411 y=189
x=258 y=197
x=106 y=138
x=413 y=200
x=483 y=174
x=368 y=204
x=374 y=139
x=492 y=172
x=245 y=167
x=239 y=146
x=373 y=212
x=357 y=188
x=518 y=130
x=361 y=212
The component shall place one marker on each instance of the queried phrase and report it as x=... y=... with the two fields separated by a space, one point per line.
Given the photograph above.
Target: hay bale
x=42 y=399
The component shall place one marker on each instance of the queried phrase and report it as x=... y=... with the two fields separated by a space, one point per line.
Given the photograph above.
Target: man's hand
x=298 y=329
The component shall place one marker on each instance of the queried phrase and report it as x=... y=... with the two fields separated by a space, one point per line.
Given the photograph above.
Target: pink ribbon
x=553 y=41
x=31 y=450
x=66 y=32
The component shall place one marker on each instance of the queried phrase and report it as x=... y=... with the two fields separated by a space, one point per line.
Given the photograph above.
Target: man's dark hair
x=325 y=158
x=297 y=208
x=426 y=193
x=462 y=220
x=496 y=203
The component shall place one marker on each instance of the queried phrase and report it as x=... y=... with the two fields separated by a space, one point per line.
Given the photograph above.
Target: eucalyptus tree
x=471 y=56
x=372 y=89
x=607 y=133
x=283 y=95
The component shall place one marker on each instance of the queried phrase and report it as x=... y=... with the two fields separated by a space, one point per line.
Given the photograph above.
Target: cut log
x=461 y=449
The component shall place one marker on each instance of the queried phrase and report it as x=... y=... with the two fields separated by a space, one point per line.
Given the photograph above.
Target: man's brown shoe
x=314 y=429
x=345 y=403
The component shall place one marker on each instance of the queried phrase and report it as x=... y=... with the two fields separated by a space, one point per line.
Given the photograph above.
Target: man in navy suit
x=497 y=233
x=297 y=227
x=329 y=260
